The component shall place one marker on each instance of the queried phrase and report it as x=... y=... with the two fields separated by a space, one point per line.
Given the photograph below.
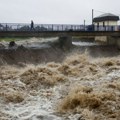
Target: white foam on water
x=32 y=107
x=85 y=43
x=40 y=103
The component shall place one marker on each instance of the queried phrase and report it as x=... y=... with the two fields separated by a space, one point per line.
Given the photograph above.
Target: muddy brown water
x=57 y=84
x=42 y=55
x=33 y=56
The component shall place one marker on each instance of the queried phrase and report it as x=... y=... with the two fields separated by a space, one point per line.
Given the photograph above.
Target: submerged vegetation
x=9 y=39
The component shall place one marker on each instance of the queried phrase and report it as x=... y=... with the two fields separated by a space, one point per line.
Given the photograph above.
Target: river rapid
x=79 y=87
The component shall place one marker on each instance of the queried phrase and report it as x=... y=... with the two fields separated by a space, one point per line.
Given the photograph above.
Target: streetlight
x=92 y=18
x=84 y=25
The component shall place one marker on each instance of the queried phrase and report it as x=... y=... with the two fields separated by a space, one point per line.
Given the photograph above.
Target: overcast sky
x=55 y=11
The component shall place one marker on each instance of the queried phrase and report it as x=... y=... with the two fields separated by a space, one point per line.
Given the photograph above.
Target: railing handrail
x=55 y=27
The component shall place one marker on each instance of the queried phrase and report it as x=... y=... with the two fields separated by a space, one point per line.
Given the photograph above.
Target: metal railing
x=54 y=27
x=39 y=27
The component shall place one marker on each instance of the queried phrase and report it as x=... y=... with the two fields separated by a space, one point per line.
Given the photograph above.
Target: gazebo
x=106 y=22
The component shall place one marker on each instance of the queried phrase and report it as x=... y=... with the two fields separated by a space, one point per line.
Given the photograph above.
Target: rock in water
x=12 y=44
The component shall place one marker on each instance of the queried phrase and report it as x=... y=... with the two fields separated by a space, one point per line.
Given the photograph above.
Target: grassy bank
x=8 y=39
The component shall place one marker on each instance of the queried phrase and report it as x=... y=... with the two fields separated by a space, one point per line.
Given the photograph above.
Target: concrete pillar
x=101 y=39
x=65 y=42
x=118 y=43
x=114 y=41
x=111 y=40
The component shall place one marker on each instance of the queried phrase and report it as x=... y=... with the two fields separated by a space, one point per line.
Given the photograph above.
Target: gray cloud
x=54 y=11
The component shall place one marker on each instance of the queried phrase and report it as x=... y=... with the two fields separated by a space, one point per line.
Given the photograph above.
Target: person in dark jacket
x=32 y=25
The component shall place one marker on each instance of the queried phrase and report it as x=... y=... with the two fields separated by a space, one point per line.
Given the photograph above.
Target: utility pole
x=92 y=18
x=84 y=25
x=92 y=15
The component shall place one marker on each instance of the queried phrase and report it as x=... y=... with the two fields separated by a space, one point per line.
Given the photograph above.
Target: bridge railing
x=40 y=27
x=54 y=27
x=107 y=28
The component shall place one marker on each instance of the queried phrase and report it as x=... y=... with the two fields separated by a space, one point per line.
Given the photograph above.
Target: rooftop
x=106 y=17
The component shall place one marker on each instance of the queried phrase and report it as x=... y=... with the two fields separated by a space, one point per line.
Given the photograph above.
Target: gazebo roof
x=106 y=17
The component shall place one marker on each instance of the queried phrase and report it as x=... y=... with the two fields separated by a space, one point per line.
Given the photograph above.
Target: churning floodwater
x=80 y=87
x=85 y=43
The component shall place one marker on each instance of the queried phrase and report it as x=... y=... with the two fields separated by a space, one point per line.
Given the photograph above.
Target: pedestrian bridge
x=55 y=30
x=58 y=30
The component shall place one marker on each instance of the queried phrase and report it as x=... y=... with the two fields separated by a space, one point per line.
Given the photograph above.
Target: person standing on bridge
x=32 y=25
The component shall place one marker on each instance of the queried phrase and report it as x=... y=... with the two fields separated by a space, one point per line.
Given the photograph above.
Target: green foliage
x=8 y=39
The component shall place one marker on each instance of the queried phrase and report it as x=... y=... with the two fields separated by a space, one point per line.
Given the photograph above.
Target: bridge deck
x=57 y=33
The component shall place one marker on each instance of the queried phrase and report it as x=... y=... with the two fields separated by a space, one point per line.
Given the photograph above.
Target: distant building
x=106 y=22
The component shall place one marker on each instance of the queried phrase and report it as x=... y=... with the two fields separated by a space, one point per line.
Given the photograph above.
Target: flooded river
x=79 y=87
